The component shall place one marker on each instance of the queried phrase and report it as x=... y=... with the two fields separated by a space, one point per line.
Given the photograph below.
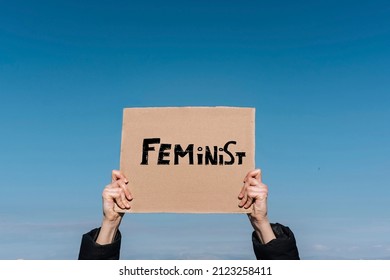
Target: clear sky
x=317 y=73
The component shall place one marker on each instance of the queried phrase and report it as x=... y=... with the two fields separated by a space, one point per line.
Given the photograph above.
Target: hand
x=115 y=193
x=255 y=193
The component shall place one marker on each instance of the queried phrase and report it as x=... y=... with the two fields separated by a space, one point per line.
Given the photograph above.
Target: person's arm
x=254 y=193
x=270 y=241
x=104 y=242
x=114 y=193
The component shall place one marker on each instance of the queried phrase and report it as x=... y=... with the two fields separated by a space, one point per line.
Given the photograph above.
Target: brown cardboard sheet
x=187 y=159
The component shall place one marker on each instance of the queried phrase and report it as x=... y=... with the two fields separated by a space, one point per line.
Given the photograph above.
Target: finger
x=114 y=185
x=243 y=200
x=122 y=184
x=257 y=191
x=117 y=175
x=116 y=195
x=253 y=182
x=248 y=203
x=258 y=175
x=244 y=189
x=253 y=174
x=124 y=200
x=119 y=200
x=120 y=203
x=120 y=187
x=254 y=195
x=242 y=192
x=246 y=177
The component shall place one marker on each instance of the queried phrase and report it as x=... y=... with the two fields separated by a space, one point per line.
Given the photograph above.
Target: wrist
x=108 y=231
x=263 y=229
x=111 y=223
x=263 y=221
x=259 y=219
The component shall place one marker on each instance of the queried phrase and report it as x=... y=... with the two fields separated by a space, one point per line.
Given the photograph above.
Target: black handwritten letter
x=146 y=148
x=209 y=158
x=226 y=149
x=162 y=154
x=179 y=152
x=240 y=155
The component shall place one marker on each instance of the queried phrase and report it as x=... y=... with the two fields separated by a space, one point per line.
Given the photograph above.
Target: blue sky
x=316 y=72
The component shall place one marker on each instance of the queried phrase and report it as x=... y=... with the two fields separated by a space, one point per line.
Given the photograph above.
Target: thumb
x=257 y=174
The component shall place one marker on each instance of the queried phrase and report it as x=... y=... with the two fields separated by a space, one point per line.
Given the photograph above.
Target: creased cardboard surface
x=162 y=182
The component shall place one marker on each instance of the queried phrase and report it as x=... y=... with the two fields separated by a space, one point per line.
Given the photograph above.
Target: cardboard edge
x=241 y=211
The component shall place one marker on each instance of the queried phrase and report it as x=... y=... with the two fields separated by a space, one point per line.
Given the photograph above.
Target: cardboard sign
x=187 y=159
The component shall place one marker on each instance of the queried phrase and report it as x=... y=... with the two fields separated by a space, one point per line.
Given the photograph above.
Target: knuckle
x=253 y=181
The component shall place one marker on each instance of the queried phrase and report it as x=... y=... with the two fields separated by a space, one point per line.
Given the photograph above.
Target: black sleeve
x=90 y=250
x=284 y=247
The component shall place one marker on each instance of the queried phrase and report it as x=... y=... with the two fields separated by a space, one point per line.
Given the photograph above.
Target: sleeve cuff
x=90 y=250
x=282 y=248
